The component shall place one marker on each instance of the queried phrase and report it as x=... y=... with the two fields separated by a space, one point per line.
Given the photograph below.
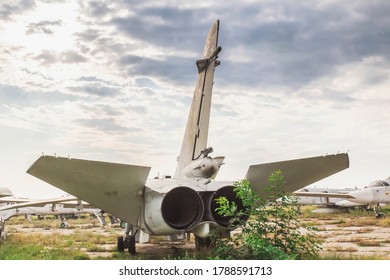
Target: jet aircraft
x=374 y=195
x=324 y=203
x=184 y=203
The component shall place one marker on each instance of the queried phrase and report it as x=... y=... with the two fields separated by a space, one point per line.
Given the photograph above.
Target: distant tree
x=266 y=228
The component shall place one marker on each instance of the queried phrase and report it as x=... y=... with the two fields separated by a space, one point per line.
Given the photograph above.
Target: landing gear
x=128 y=240
x=378 y=214
x=202 y=243
x=1 y=233
x=64 y=223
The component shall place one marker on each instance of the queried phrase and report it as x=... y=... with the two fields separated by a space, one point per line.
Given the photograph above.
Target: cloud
x=106 y=125
x=72 y=57
x=14 y=95
x=45 y=27
x=294 y=44
x=88 y=35
x=96 y=9
x=168 y=26
x=9 y=9
x=96 y=90
x=166 y=68
x=47 y=57
x=270 y=44
x=296 y=78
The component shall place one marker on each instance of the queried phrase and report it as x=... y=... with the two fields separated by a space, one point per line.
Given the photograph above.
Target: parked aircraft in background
x=185 y=203
x=5 y=192
x=11 y=206
x=325 y=204
x=374 y=195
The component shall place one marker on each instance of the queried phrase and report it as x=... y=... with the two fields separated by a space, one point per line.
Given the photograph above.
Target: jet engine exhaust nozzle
x=229 y=193
x=182 y=208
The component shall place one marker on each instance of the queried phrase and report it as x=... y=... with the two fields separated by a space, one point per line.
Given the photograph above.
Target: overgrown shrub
x=266 y=228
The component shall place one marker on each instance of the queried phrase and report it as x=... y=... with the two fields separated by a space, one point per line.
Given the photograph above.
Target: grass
x=44 y=239
x=17 y=251
x=85 y=241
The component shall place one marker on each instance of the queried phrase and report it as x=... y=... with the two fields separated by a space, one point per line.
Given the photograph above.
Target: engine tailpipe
x=229 y=193
x=182 y=208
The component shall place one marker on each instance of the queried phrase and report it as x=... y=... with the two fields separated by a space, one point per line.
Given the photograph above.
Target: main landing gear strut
x=128 y=240
x=378 y=214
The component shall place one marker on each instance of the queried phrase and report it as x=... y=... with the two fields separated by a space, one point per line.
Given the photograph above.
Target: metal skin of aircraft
x=185 y=203
x=11 y=206
x=373 y=196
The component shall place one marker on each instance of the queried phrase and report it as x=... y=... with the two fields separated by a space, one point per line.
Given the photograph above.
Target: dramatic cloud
x=113 y=80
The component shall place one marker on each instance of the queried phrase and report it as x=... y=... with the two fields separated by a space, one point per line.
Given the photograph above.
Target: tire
x=121 y=244
x=131 y=243
x=202 y=243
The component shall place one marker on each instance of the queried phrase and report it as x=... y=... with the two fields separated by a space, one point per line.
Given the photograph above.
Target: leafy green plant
x=265 y=230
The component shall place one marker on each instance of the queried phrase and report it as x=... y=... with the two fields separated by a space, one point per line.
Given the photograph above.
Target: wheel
x=63 y=225
x=379 y=215
x=202 y=243
x=123 y=224
x=121 y=244
x=131 y=244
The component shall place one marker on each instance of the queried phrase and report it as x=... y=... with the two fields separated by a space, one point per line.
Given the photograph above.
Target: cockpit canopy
x=378 y=183
x=5 y=192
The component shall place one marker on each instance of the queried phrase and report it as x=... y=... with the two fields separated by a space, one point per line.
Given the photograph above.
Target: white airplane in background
x=185 y=203
x=11 y=206
x=325 y=204
x=374 y=195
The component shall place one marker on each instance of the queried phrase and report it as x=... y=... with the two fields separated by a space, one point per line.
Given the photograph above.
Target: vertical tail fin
x=195 y=137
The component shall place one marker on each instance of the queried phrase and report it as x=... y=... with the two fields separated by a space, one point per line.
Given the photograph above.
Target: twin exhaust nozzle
x=183 y=208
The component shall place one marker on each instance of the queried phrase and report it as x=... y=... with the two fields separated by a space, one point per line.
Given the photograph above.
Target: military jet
x=374 y=195
x=184 y=203
x=321 y=198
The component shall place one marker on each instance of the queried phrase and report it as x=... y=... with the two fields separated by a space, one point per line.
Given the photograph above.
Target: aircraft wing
x=297 y=173
x=13 y=200
x=42 y=202
x=115 y=188
x=321 y=194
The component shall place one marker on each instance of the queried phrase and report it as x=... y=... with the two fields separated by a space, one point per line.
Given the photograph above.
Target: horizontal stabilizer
x=115 y=188
x=297 y=173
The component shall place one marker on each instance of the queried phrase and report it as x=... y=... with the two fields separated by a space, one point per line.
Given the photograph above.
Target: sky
x=113 y=81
